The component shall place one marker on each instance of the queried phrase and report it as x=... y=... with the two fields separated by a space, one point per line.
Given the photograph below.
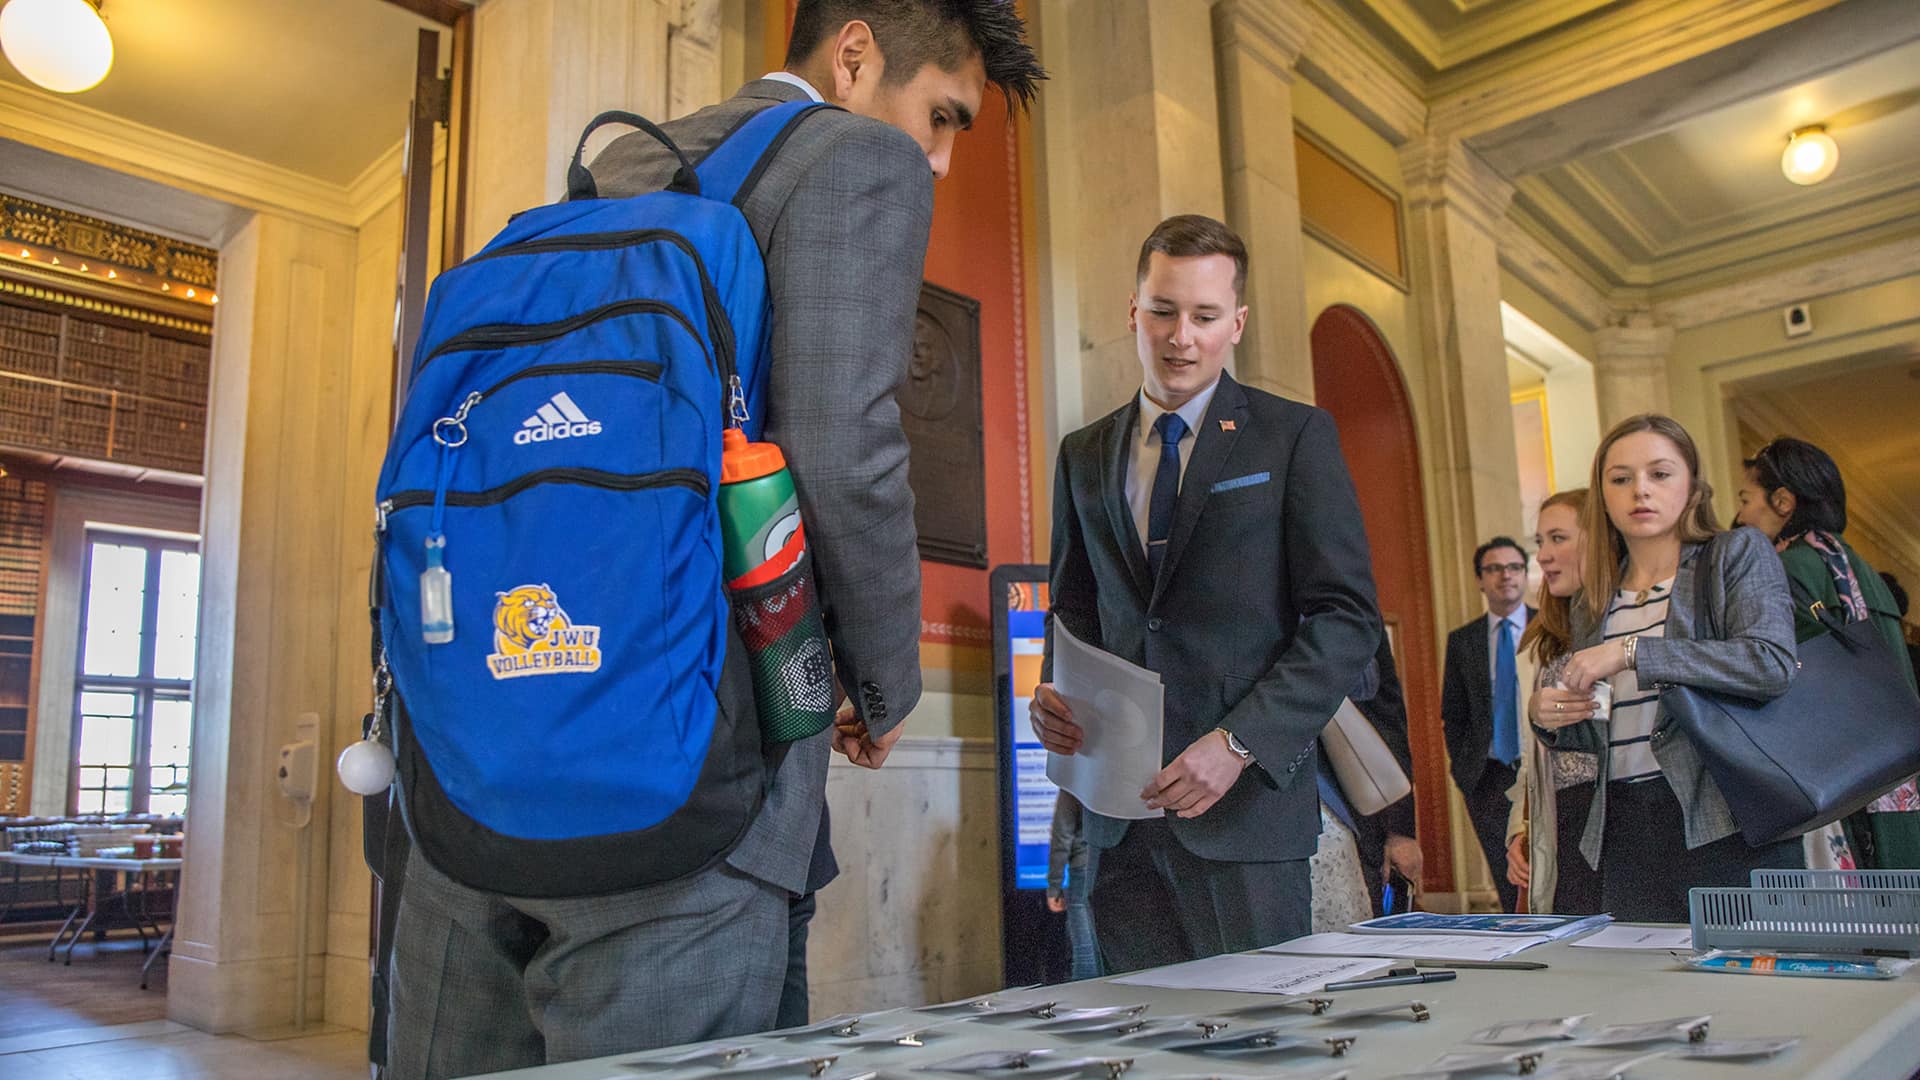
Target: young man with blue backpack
x=606 y=840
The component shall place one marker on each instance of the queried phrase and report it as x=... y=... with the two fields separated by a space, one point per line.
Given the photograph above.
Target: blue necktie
x=1506 y=699
x=1166 y=489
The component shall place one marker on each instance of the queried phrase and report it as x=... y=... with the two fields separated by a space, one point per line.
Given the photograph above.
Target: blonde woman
x=1667 y=600
x=1556 y=786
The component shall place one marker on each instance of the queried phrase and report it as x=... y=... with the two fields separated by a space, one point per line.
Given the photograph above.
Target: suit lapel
x=1116 y=451
x=1212 y=445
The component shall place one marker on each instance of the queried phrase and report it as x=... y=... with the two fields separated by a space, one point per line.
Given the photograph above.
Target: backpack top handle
x=580 y=184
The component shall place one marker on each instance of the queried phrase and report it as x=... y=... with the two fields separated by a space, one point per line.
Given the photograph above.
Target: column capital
x=1274 y=31
x=1441 y=171
x=1634 y=338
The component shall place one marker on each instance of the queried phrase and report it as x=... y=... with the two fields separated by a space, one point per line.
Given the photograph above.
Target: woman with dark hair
x=1667 y=599
x=1793 y=493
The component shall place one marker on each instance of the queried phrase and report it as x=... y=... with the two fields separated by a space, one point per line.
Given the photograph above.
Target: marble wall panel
x=915 y=914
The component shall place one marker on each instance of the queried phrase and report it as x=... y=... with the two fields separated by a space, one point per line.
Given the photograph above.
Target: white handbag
x=1369 y=775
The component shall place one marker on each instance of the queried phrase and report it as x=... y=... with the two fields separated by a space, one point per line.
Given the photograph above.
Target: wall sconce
x=62 y=45
x=1811 y=155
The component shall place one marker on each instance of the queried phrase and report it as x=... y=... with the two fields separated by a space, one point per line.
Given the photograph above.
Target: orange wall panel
x=976 y=249
x=1338 y=202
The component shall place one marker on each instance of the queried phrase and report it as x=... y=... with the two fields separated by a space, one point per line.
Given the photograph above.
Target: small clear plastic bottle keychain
x=436 y=581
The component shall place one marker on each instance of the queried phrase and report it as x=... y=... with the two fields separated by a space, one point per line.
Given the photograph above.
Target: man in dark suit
x=1209 y=531
x=1482 y=699
x=841 y=212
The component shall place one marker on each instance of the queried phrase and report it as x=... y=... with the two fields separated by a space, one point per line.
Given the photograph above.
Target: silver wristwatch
x=1234 y=744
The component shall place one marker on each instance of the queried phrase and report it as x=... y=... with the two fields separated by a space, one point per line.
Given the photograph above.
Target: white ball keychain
x=365 y=767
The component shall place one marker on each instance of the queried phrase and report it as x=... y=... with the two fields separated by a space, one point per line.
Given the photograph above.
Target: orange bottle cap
x=743 y=460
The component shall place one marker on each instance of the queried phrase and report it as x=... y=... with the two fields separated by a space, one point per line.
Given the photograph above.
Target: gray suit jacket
x=1742 y=644
x=842 y=214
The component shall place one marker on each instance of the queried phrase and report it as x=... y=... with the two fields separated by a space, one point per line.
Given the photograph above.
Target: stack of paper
x=1550 y=927
x=1663 y=938
x=1410 y=946
x=1255 y=973
x=1118 y=705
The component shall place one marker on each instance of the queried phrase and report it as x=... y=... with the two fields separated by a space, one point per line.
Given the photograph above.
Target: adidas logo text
x=559 y=418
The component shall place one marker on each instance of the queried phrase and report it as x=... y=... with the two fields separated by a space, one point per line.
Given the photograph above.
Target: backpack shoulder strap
x=731 y=170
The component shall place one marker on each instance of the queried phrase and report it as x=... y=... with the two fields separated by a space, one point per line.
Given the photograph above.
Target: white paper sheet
x=1662 y=938
x=1415 y=946
x=1118 y=705
x=1258 y=973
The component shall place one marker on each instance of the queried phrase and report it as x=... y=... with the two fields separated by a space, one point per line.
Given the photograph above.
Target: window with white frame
x=133 y=702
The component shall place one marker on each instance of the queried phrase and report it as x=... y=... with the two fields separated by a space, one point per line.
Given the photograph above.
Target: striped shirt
x=1630 y=723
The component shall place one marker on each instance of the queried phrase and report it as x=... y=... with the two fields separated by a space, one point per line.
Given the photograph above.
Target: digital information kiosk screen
x=1033 y=793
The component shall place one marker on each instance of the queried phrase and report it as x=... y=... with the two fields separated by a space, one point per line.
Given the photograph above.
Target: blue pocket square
x=1240 y=481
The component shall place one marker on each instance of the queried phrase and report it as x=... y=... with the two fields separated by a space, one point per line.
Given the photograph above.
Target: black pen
x=1395 y=980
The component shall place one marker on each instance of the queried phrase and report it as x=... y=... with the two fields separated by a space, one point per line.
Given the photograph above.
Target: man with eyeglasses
x=1483 y=698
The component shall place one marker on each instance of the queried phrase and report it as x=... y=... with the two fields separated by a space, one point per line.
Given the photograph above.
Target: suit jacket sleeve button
x=1154 y=623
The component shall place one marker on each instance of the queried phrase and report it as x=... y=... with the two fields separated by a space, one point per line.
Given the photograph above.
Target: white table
x=86 y=910
x=1862 y=1030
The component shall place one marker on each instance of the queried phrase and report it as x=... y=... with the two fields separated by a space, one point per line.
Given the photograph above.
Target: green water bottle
x=774 y=608
x=759 y=512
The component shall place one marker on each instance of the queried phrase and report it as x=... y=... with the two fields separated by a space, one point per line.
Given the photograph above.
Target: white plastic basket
x=1871 y=912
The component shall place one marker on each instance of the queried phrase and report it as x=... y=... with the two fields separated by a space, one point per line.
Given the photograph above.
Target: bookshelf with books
x=23 y=515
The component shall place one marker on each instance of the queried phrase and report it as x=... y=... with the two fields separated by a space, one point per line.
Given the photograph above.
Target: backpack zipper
x=723 y=342
x=455 y=425
x=510 y=335
x=692 y=479
x=639 y=369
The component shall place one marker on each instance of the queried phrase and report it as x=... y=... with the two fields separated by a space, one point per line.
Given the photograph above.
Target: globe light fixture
x=62 y=45
x=1811 y=156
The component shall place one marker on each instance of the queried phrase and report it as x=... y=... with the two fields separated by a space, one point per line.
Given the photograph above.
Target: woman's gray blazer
x=1743 y=647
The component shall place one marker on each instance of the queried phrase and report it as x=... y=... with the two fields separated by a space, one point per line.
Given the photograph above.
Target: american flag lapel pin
x=1226 y=425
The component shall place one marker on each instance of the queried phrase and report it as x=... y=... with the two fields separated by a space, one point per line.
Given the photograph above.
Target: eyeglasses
x=1504 y=568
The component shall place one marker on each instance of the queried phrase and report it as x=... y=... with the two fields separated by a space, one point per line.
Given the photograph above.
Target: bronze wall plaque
x=940 y=409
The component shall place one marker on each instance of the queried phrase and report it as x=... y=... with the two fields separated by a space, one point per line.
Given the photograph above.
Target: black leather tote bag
x=1846 y=732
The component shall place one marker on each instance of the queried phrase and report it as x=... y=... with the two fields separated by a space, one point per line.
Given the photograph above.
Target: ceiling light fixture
x=1811 y=155
x=62 y=45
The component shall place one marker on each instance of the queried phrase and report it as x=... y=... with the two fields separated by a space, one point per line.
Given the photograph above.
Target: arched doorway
x=1356 y=378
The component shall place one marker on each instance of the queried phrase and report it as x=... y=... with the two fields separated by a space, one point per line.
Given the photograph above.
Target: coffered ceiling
x=1705 y=201
x=1432 y=36
x=319 y=87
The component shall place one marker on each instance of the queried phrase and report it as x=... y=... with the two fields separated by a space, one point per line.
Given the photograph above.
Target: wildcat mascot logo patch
x=533 y=636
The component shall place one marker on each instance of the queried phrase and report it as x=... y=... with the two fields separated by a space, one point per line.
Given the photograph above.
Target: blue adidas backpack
x=550 y=491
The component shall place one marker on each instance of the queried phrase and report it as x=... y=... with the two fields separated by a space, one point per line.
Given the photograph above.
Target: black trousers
x=1646 y=867
x=1488 y=808
x=1576 y=889
x=1155 y=902
x=1370 y=840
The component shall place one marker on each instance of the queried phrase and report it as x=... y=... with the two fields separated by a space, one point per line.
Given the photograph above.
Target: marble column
x=291 y=406
x=543 y=68
x=1147 y=146
x=1454 y=207
x=1256 y=43
x=1630 y=369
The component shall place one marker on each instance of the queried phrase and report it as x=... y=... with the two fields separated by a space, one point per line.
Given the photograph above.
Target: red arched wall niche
x=1356 y=379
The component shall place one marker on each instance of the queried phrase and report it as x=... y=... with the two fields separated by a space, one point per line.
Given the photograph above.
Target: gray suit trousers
x=484 y=983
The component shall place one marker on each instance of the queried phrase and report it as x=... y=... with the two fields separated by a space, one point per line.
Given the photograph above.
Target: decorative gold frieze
x=75 y=244
x=103 y=307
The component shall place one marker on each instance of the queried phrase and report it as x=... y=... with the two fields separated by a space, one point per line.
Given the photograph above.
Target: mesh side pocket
x=787 y=647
